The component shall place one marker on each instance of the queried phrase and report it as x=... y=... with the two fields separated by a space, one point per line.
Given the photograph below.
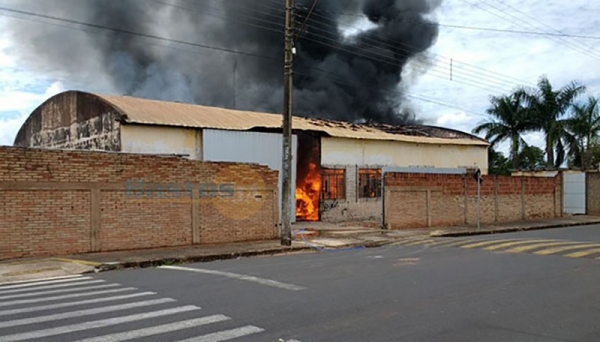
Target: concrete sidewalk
x=342 y=238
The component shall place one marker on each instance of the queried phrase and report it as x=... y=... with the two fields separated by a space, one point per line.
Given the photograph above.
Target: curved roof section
x=152 y=112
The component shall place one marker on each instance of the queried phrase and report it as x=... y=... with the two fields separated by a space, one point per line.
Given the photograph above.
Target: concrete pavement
x=423 y=292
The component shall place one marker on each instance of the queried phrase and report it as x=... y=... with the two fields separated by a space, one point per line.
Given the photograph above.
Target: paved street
x=533 y=286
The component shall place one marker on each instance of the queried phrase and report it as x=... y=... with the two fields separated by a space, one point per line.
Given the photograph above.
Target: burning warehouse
x=338 y=166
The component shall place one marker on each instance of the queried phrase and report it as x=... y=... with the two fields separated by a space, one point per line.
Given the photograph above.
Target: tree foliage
x=571 y=128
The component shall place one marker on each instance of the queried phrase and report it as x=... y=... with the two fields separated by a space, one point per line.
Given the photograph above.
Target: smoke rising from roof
x=356 y=78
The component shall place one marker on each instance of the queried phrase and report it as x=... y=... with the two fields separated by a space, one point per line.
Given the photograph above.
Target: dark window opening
x=369 y=183
x=333 y=184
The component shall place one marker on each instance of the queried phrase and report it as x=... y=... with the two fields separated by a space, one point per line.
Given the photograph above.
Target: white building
x=343 y=161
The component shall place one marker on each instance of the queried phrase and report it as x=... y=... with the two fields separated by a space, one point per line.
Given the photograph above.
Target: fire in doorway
x=308 y=182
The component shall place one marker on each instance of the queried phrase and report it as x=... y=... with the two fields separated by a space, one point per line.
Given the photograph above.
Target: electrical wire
x=185 y=43
x=537 y=33
x=398 y=46
x=519 y=22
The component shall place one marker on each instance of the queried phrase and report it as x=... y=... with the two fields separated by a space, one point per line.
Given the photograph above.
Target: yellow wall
x=337 y=151
x=161 y=140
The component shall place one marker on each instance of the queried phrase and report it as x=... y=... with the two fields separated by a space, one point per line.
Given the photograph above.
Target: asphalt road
x=445 y=290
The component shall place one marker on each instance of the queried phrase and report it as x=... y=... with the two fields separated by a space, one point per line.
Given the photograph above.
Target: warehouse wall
x=337 y=151
x=71 y=120
x=64 y=202
x=414 y=200
x=147 y=139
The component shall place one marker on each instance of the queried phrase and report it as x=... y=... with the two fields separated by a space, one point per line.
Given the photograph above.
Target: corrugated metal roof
x=152 y=112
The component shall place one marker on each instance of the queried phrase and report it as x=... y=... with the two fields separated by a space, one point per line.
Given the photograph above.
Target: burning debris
x=308 y=179
x=354 y=77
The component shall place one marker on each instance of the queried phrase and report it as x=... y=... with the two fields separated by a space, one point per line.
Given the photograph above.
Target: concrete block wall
x=437 y=200
x=64 y=202
x=593 y=193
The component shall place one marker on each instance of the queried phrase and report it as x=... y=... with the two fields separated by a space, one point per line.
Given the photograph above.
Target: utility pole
x=286 y=196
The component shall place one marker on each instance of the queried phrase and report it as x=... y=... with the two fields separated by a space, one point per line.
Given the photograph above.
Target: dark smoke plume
x=356 y=78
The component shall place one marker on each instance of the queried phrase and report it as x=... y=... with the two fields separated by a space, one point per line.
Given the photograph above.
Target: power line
x=538 y=33
x=196 y=45
x=149 y=36
x=406 y=46
x=519 y=22
x=468 y=77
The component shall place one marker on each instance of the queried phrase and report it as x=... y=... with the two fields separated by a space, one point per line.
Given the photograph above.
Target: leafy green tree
x=584 y=125
x=532 y=158
x=547 y=107
x=507 y=121
x=499 y=165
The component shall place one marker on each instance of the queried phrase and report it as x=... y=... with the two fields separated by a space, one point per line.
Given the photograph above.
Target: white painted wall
x=339 y=151
x=161 y=140
x=250 y=147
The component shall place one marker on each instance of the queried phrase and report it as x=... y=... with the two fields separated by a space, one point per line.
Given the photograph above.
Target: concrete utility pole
x=286 y=196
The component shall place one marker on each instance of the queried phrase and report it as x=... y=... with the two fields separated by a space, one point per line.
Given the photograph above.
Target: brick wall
x=62 y=202
x=437 y=200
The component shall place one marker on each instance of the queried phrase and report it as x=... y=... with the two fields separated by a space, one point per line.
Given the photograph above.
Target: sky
x=460 y=64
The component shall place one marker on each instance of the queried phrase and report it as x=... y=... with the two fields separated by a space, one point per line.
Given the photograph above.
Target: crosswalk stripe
x=225 y=335
x=452 y=243
x=95 y=324
x=24 y=295
x=47 y=287
x=42 y=282
x=484 y=243
x=74 y=295
x=564 y=249
x=583 y=253
x=81 y=313
x=407 y=241
x=161 y=329
x=514 y=243
x=66 y=305
x=418 y=242
x=536 y=246
x=262 y=281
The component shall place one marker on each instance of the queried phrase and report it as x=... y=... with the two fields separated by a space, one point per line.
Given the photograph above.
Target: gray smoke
x=356 y=78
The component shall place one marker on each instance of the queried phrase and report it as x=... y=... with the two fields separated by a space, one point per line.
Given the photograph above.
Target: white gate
x=574 y=193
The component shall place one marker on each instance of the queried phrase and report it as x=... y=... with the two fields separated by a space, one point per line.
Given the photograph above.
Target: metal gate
x=574 y=193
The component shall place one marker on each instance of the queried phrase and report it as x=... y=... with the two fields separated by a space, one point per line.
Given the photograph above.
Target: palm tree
x=507 y=121
x=584 y=126
x=548 y=107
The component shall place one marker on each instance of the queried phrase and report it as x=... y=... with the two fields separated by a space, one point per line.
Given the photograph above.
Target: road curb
x=115 y=266
x=510 y=230
x=121 y=265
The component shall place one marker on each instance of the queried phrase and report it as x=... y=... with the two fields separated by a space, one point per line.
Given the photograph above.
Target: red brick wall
x=437 y=200
x=63 y=202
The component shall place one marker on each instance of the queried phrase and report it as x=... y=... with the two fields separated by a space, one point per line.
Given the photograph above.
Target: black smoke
x=356 y=77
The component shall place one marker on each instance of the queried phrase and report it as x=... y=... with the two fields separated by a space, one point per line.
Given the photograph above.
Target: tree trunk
x=549 y=151
x=515 y=153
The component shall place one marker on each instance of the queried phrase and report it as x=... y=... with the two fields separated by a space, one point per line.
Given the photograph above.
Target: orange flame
x=307 y=195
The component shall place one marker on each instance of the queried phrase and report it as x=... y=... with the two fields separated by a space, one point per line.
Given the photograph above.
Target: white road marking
x=48 y=287
x=42 y=282
x=24 y=295
x=161 y=329
x=95 y=324
x=75 y=295
x=33 y=282
x=66 y=305
x=225 y=335
x=81 y=313
x=257 y=280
